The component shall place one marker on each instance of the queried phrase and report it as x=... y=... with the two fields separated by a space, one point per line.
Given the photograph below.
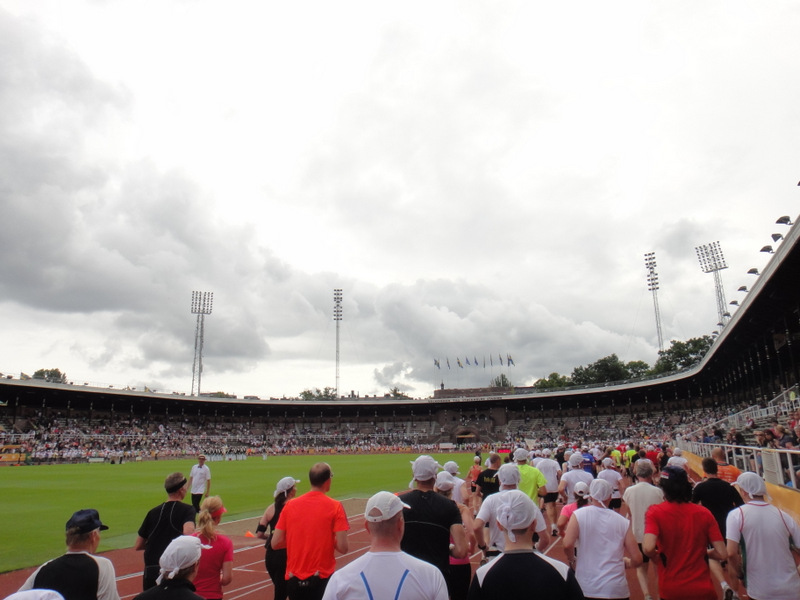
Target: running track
x=250 y=578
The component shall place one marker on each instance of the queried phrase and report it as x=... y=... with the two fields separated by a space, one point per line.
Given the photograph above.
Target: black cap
x=86 y=520
x=673 y=473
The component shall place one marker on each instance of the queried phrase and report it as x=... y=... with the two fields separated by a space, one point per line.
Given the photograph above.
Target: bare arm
x=649 y=544
x=266 y=518
x=544 y=539
x=571 y=538
x=340 y=544
x=188 y=528
x=477 y=528
x=634 y=558
x=140 y=543
x=459 y=541
x=734 y=561
x=278 y=539
x=718 y=552
x=227 y=573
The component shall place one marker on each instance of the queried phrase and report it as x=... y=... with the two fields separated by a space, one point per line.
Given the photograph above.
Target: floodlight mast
x=652 y=285
x=712 y=261
x=337 y=316
x=202 y=303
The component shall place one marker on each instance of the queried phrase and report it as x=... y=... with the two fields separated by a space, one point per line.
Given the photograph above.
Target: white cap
x=35 y=594
x=600 y=490
x=451 y=467
x=515 y=510
x=677 y=452
x=575 y=460
x=752 y=483
x=520 y=454
x=383 y=506
x=607 y=462
x=425 y=467
x=182 y=552
x=284 y=485
x=445 y=481
x=581 y=489
x=508 y=474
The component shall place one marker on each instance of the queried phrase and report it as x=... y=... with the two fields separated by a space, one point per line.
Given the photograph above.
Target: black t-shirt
x=171 y=589
x=524 y=575
x=74 y=576
x=488 y=482
x=428 y=522
x=718 y=496
x=162 y=525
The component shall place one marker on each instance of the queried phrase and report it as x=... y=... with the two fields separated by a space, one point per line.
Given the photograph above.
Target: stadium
x=747 y=381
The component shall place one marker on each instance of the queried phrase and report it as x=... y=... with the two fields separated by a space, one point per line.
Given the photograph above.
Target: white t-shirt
x=549 y=469
x=488 y=512
x=639 y=498
x=600 y=569
x=572 y=477
x=677 y=461
x=613 y=477
x=457 y=490
x=199 y=476
x=771 y=572
x=394 y=575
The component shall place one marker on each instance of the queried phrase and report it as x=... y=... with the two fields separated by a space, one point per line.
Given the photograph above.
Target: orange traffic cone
x=249 y=534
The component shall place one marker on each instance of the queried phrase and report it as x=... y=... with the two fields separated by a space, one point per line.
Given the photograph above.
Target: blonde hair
x=205 y=520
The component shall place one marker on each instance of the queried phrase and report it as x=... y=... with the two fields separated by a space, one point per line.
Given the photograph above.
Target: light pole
x=712 y=261
x=652 y=285
x=201 y=306
x=337 y=316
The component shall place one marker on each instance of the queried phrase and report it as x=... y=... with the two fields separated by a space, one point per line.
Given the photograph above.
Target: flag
x=491 y=361
x=476 y=361
x=466 y=358
x=448 y=362
x=509 y=360
x=458 y=361
x=484 y=361
x=500 y=356
x=436 y=363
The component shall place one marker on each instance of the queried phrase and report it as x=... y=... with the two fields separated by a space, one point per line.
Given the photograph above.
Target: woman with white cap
x=605 y=544
x=581 y=499
x=275 y=560
x=216 y=563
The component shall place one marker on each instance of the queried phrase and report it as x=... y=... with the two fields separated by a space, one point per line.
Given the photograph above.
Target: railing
x=780 y=467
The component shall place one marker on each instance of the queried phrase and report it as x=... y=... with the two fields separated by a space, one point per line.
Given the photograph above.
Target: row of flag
x=509 y=361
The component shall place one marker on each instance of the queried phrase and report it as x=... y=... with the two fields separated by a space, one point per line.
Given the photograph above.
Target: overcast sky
x=480 y=179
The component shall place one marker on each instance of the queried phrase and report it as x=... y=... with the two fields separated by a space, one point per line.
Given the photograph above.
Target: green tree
x=328 y=393
x=637 y=368
x=682 y=355
x=609 y=368
x=396 y=393
x=552 y=381
x=501 y=381
x=51 y=375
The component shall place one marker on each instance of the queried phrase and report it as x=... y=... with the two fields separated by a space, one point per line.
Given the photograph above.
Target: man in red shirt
x=311 y=528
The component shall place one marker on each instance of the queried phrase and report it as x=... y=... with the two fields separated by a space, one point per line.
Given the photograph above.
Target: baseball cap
x=383 y=506
x=600 y=490
x=515 y=511
x=581 y=489
x=520 y=454
x=508 y=474
x=752 y=483
x=673 y=473
x=575 y=460
x=445 y=481
x=86 y=520
x=182 y=552
x=677 y=452
x=607 y=462
x=284 y=485
x=425 y=467
x=451 y=467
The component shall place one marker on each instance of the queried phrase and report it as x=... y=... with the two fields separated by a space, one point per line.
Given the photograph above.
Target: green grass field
x=37 y=500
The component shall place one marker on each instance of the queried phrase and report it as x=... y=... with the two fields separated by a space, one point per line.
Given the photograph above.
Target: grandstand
x=749 y=376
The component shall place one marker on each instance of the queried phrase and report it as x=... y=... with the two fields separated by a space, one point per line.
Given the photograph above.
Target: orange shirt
x=728 y=472
x=311 y=522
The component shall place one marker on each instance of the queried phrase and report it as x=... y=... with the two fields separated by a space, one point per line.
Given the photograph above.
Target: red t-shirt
x=207 y=580
x=311 y=522
x=684 y=531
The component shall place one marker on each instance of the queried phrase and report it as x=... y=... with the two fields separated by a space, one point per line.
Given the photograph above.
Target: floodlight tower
x=652 y=285
x=337 y=316
x=712 y=261
x=201 y=306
